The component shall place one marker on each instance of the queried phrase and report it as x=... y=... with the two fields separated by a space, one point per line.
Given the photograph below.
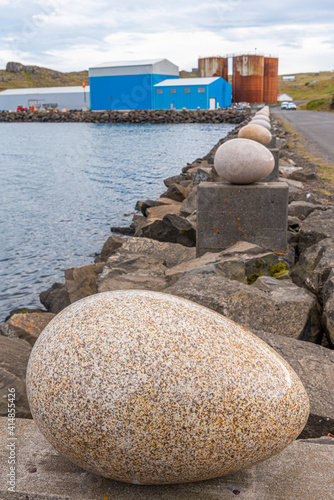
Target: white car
x=291 y=105
x=284 y=104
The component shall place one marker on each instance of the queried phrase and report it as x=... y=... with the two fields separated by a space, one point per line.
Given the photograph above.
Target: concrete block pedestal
x=272 y=143
x=228 y=213
x=273 y=176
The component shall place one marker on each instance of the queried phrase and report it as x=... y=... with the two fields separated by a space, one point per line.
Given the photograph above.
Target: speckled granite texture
x=148 y=388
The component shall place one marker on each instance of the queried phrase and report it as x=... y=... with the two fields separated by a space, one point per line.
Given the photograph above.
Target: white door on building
x=212 y=103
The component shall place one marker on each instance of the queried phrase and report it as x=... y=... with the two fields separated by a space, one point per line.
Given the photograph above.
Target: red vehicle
x=21 y=108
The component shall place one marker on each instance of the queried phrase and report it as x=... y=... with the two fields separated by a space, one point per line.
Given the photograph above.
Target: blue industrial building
x=153 y=84
x=193 y=93
x=127 y=84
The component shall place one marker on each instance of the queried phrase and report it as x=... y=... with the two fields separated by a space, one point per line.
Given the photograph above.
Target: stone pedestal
x=273 y=176
x=272 y=143
x=228 y=213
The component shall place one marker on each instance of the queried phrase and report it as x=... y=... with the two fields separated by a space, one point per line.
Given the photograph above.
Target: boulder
x=81 y=281
x=318 y=226
x=56 y=298
x=141 y=264
x=169 y=254
x=178 y=192
x=110 y=247
x=27 y=326
x=255 y=133
x=314 y=266
x=235 y=264
x=175 y=179
x=189 y=205
x=172 y=228
x=303 y=209
x=243 y=161
x=328 y=308
x=271 y=305
x=303 y=175
x=314 y=365
x=159 y=212
x=204 y=174
x=14 y=355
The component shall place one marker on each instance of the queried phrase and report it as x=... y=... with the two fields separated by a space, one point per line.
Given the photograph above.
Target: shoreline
x=153 y=116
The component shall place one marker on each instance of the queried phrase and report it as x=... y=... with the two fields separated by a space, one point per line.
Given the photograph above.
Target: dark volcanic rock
x=111 y=246
x=56 y=298
x=172 y=228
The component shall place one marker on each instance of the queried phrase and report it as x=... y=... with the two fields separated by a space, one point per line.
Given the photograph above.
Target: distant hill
x=16 y=76
x=315 y=88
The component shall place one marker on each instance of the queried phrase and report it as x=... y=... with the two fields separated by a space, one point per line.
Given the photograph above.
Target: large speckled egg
x=243 y=161
x=148 y=388
x=255 y=133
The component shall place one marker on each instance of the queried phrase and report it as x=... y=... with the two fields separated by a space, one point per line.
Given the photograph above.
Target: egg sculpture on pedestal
x=149 y=388
x=243 y=161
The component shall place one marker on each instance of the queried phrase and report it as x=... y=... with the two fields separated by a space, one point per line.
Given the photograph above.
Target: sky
x=72 y=35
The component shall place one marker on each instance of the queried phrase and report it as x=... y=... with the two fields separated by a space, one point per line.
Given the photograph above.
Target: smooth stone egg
x=243 y=161
x=260 y=121
x=149 y=388
x=265 y=109
x=255 y=133
x=262 y=117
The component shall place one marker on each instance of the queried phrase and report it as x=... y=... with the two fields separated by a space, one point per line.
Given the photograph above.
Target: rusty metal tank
x=248 y=71
x=213 y=66
x=270 y=80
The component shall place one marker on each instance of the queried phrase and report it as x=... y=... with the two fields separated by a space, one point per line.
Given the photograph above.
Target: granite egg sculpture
x=243 y=161
x=260 y=121
x=148 y=388
x=255 y=133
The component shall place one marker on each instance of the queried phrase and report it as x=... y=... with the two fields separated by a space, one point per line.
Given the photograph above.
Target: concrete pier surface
x=304 y=470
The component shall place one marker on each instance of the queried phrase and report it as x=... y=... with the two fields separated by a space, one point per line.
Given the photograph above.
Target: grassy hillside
x=35 y=76
x=315 y=88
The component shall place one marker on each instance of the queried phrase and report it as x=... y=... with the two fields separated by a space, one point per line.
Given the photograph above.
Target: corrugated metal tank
x=213 y=66
x=270 y=80
x=248 y=73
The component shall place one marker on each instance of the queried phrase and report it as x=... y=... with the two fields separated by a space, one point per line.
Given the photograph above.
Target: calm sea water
x=62 y=185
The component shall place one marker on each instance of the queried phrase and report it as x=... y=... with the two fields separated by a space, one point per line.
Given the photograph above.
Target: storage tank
x=270 y=80
x=248 y=73
x=213 y=66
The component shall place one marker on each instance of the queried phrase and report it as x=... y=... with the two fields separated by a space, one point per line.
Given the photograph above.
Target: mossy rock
x=277 y=268
x=253 y=277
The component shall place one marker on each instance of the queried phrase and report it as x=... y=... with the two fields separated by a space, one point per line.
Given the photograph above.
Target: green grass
x=317 y=95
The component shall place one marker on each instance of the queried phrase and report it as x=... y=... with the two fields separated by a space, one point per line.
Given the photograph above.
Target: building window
x=159 y=91
x=172 y=91
x=186 y=90
x=201 y=90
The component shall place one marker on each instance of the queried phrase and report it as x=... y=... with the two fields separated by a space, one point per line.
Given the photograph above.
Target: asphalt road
x=316 y=127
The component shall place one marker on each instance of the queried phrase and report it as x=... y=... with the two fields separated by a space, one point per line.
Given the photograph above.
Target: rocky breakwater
x=135 y=116
x=283 y=298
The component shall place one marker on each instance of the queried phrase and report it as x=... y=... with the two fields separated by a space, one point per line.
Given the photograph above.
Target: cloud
x=75 y=34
